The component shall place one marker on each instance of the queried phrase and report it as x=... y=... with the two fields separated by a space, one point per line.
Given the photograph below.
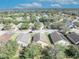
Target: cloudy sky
x=39 y=4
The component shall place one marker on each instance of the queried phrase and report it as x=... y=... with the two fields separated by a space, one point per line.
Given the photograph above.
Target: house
x=42 y=39
x=45 y=16
x=4 y=38
x=19 y=25
x=13 y=27
x=24 y=39
x=28 y=17
x=19 y=18
x=70 y=24
x=31 y=26
x=58 y=38
x=37 y=18
x=73 y=37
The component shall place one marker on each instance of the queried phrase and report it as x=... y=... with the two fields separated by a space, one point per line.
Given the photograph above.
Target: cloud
x=65 y=1
x=62 y=1
x=56 y=5
x=29 y=5
x=44 y=0
x=75 y=2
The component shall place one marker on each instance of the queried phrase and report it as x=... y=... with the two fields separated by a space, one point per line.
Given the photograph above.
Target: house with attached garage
x=73 y=38
x=42 y=39
x=58 y=38
x=23 y=39
x=4 y=38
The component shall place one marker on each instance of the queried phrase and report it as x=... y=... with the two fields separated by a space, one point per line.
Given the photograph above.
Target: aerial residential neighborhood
x=27 y=35
x=39 y=29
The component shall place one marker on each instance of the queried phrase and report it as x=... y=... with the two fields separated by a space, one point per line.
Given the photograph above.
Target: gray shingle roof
x=24 y=37
x=56 y=36
x=36 y=37
x=73 y=37
x=41 y=37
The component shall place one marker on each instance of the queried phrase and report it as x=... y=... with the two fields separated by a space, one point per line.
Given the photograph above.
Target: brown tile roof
x=5 y=37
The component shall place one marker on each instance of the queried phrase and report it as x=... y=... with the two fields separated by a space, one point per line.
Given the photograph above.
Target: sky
x=4 y=4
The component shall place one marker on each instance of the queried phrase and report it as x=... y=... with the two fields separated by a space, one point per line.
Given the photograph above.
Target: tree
x=37 y=25
x=60 y=51
x=72 y=51
x=24 y=26
x=47 y=53
x=35 y=51
x=8 y=50
x=32 y=52
x=76 y=23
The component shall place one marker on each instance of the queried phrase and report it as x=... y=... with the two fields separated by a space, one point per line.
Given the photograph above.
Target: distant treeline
x=73 y=11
